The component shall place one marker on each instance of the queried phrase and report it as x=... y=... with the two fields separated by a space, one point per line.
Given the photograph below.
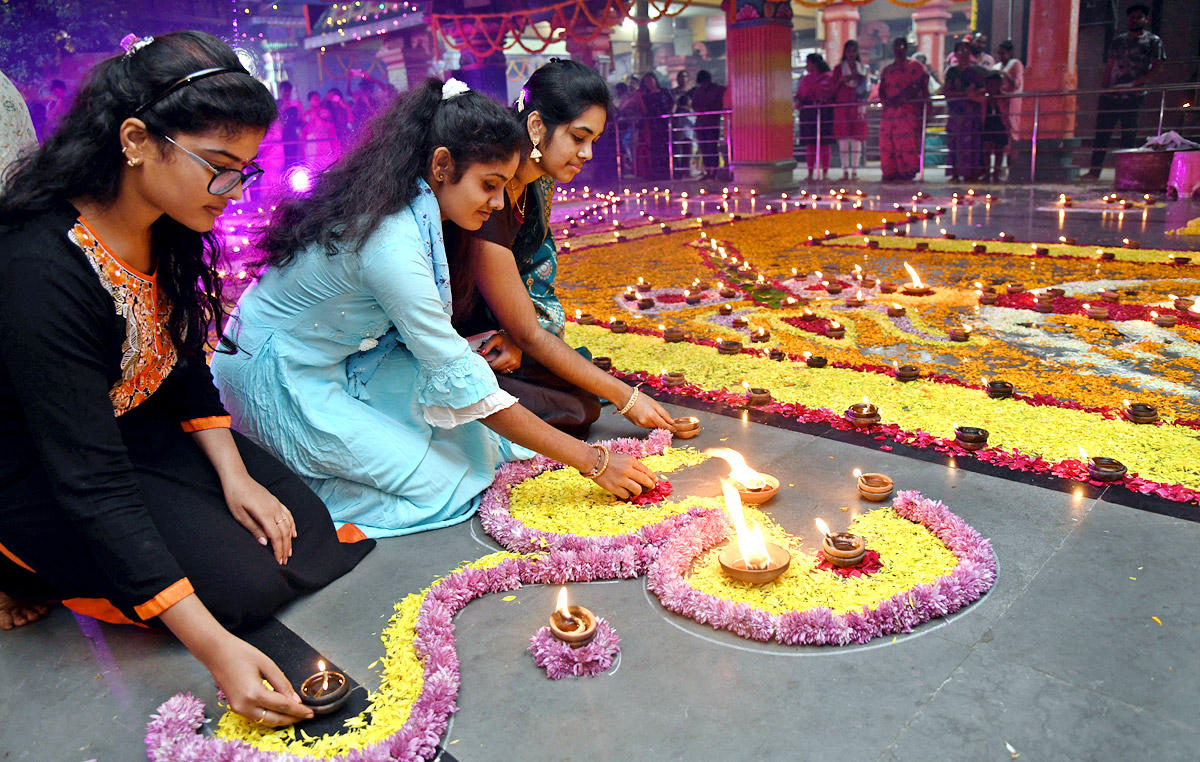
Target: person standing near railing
x=813 y=96
x=904 y=90
x=1134 y=58
x=964 y=91
x=850 y=108
x=708 y=96
x=656 y=102
x=1012 y=72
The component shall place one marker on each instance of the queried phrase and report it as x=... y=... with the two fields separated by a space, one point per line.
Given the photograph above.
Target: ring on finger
x=282 y=519
x=262 y=716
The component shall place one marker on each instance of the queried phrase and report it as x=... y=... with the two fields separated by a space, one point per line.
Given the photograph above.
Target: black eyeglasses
x=223 y=179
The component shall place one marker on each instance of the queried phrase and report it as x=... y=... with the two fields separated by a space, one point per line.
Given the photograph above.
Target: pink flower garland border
x=636 y=549
x=561 y=660
x=171 y=734
x=973 y=576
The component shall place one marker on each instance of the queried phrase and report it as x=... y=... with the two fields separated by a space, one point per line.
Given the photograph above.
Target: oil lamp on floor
x=915 y=287
x=1141 y=412
x=326 y=691
x=1103 y=469
x=750 y=558
x=687 y=427
x=842 y=548
x=863 y=414
x=874 y=487
x=752 y=487
x=970 y=438
x=573 y=625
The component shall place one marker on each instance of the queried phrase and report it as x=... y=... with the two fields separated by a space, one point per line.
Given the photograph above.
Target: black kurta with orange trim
x=83 y=341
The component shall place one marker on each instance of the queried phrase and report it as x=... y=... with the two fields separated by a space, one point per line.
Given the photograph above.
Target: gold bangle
x=604 y=465
x=601 y=462
x=632 y=401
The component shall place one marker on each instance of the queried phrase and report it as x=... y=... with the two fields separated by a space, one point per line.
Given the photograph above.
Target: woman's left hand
x=649 y=414
x=255 y=508
x=501 y=353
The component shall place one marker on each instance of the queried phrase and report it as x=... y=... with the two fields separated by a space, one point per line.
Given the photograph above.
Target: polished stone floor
x=1062 y=659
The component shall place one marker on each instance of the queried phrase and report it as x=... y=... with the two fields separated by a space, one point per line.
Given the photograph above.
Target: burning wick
x=568 y=622
x=916 y=279
x=751 y=543
x=325 y=682
x=739 y=472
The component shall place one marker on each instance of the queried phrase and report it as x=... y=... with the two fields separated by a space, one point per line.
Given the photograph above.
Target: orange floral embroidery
x=148 y=353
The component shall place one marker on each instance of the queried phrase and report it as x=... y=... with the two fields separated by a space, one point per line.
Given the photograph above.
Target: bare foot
x=15 y=613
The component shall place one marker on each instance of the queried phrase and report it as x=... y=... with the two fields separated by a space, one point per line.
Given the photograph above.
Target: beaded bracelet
x=632 y=401
x=602 y=458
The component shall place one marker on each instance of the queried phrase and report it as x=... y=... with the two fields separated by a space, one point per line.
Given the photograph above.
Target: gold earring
x=133 y=162
x=441 y=177
x=535 y=154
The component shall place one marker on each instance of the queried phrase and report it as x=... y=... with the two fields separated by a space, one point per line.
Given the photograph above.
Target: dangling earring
x=535 y=154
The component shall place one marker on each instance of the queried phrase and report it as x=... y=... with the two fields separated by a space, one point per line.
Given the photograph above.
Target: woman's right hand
x=240 y=669
x=647 y=413
x=626 y=476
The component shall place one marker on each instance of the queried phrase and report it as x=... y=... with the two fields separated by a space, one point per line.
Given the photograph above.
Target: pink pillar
x=1053 y=47
x=930 y=20
x=841 y=24
x=758 y=53
x=597 y=53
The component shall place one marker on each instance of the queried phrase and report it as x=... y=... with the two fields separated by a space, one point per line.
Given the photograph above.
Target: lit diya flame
x=562 y=609
x=835 y=324
x=857 y=475
x=321 y=668
x=578 y=314
x=985 y=381
x=751 y=543
x=641 y=282
x=1153 y=314
x=916 y=279
x=896 y=305
x=822 y=526
x=858 y=295
x=738 y=470
x=818 y=274
x=1083 y=454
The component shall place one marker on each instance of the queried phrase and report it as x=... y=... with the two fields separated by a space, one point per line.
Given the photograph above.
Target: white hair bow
x=453 y=87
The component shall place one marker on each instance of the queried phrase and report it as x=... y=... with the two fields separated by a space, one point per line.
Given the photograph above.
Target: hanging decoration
x=484 y=34
x=901 y=3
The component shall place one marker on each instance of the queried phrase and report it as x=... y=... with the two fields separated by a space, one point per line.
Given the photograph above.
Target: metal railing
x=690 y=141
x=1039 y=119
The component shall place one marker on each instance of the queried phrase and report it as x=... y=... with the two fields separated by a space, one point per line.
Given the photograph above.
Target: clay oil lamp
x=777 y=354
x=1178 y=260
x=888 y=287
x=750 y=558
x=725 y=309
x=564 y=247
x=1006 y=238
x=1141 y=412
x=841 y=549
x=1043 y=304
x=1016 y=288
x=673 y=378
x=874 y=487
x=1181 y=303
x=998 y=390
x=760 y=335
x=867 y=282
x=584 y=318
x=617 y=326
x=642 y=286
x=761 y=284
x=1163 y=321
x=906 y=373
x=895 y=310
x=1103 y=469
x=729 y=347
x=1055 y=292
x=326 y=691
x=836 y=330
x=863 y=414
x=947 y=235
x=700 y=286
x=751 y=487
x=959 y=333
x=672 y=335
x=915 y=287
x=741 y=321
x=856 y=300
x=921 y=246
x=756 y=395
x=979 y=248
x=646 y=303
x=1096 y=311
x=687 y=427
x=727 y=292
x=1039 y=251
x=1066 y=241
x=629 y=295
x=573 y=625
x=1112 y=297
x=1131 y=244
x=791 y=301
x=970 y=438
x=691 y=298
x=832 y=288
x=1106 y=255
x=871 y=243
x=664 y=227
x=987 y=297
x=814 y=361
x=603 y=363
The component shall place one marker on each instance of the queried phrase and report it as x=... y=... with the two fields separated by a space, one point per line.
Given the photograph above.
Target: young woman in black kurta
x=123 y=493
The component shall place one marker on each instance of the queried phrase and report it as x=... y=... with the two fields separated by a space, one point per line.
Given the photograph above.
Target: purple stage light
x=300 y=178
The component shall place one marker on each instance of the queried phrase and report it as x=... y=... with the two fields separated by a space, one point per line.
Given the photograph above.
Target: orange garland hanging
x=484 y=33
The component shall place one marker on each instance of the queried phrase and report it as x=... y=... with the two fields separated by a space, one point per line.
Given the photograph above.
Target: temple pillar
x=596 y=53
x=930 y=22
x=841 y=24
x=407 y=56
x=758 y=53
x=1053 y=48
x=643 y=55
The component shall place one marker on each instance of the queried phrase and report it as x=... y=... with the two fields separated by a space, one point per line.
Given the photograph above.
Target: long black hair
x=560 y=91
x=378 y=177
x=83 y=157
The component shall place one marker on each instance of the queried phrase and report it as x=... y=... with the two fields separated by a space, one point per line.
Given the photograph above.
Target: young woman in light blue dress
x=395 y=441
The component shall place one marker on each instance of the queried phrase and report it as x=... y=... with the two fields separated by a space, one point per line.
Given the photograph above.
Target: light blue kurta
x=359 y=437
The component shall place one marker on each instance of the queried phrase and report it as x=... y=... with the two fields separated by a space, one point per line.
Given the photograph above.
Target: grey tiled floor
x=1061 y=659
